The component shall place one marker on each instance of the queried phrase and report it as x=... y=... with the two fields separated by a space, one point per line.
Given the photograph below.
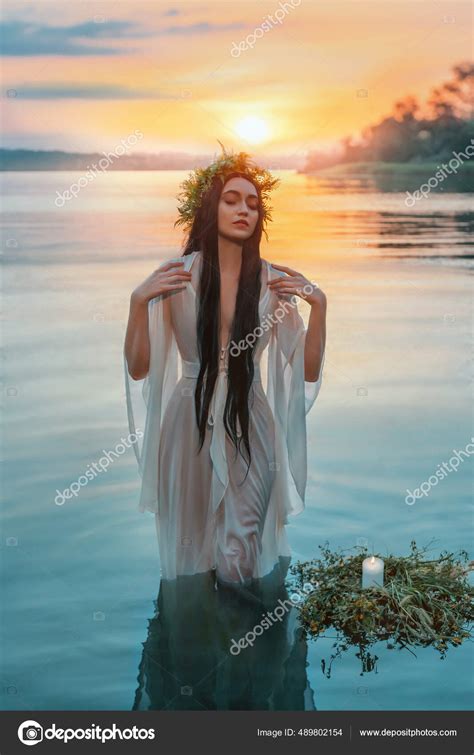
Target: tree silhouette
x=412 y=133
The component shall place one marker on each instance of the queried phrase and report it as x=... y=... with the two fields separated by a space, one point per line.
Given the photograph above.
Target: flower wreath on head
x=199 y=181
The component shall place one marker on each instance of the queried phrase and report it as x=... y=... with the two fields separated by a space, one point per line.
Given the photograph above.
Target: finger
x=176 y=279
x=293 y=288
x=168 y=288
x=288 y=270
x=177 y=274
x=169 y=265
x=283 y=282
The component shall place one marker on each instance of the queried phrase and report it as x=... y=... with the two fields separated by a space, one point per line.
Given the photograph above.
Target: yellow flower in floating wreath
x=199 y=181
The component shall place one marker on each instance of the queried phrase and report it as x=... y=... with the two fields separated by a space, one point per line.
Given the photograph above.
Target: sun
x=252 y=129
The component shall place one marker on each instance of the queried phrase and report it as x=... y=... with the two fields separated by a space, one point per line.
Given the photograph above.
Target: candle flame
x=372 y=560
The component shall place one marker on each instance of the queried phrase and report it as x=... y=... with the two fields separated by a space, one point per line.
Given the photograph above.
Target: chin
x=236 y=234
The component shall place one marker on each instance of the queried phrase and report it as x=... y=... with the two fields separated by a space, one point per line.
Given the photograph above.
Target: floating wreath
x=422 y=602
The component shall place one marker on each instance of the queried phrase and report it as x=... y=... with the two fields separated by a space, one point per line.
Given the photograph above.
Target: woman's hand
x=169 y=277
x=296 y=283
x=315 y=339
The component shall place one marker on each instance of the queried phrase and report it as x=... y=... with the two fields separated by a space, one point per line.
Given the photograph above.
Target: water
x=79 y=580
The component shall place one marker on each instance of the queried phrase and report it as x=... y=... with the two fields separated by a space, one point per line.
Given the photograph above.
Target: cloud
x=202 y=28
x=20 y=38
x=86 y=92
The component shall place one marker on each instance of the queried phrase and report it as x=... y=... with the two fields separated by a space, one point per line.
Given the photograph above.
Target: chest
x=228 y=298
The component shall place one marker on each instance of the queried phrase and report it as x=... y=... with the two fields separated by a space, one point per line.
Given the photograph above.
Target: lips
x=242 y=223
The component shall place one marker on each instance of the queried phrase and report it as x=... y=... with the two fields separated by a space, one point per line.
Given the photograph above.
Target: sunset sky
x=82 y=76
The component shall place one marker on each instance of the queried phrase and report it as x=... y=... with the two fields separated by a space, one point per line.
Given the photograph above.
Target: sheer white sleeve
x=147 y=398
x=290 y=397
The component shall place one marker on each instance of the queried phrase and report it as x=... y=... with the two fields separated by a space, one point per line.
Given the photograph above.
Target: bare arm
x=315 y=341
x=168 y=278
x=137 y=343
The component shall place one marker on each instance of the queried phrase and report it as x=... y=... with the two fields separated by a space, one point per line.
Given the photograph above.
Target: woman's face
x=238 y=209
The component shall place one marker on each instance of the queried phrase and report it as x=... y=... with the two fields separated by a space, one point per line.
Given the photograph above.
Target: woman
x=223 y=458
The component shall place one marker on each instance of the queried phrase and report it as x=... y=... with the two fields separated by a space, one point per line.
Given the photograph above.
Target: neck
x=230 y=257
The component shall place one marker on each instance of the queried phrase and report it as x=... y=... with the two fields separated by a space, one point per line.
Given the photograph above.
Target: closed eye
x=249 y=204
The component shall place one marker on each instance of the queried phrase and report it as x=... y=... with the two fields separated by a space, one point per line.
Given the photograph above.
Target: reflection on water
x=393 y=178
x=191 y=658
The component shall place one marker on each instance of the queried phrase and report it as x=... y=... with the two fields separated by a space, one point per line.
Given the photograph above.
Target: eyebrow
x=234 y=191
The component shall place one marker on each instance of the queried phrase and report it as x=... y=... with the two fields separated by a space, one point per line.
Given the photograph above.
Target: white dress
x=207 y=516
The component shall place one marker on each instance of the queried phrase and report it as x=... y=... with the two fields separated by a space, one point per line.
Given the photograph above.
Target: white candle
x=372 y=571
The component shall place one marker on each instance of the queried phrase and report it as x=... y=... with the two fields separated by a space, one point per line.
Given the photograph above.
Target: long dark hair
x=203 y=237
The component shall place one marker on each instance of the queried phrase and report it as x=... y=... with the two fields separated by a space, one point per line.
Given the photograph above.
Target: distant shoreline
x=57 y=160
x=18 y=160
x=382 y=168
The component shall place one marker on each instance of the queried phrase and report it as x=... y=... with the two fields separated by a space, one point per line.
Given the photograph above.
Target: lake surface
x=80 y=580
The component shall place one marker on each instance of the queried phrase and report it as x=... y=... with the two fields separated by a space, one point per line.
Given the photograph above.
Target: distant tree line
x=412 y=133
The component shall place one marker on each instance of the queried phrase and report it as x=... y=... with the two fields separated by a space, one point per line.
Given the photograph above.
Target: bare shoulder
x=272 y=271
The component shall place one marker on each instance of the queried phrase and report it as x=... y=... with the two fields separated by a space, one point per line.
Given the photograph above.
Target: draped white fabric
x=209 y=513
